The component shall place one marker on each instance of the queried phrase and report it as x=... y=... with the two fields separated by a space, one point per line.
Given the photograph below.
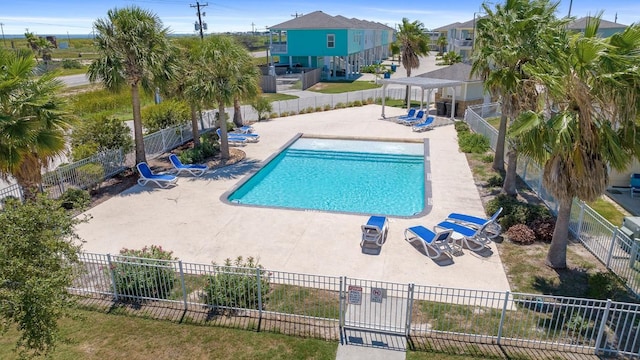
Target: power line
x=198 y=5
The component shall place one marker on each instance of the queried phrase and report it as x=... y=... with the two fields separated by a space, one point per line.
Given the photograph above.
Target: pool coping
x=428 y=204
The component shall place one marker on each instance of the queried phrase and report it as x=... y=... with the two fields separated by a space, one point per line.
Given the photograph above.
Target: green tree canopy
x=33 y=121
x=39 y=251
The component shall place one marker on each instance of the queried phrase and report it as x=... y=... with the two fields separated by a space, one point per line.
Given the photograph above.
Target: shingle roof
x=581 y=24
x=447 y=27
x=320 y=20
x=458 y=72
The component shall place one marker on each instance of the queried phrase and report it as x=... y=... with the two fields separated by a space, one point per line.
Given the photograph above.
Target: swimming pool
x=353 y=176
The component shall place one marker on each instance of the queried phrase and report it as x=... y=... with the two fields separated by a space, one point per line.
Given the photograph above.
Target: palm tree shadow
x=570 y=283
x=234 y=171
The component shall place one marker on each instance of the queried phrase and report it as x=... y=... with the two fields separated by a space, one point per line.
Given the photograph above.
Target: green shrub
x=236 y=287
x=89 y=176
x=310 y=109
x=318 y=108
x=168 y=113
x=521 y=234
x=516 y=212
x=495 y=181
x=262 y=106
x=97 y=134
x=71 y=64
x=327 y=107
x=604 y=285
x=146 y=275
x=369 y=101
x=284 y=114
x=273 y=115
x=461 y=126
x=200 y=153
x=487 y=158
x=473 y=143
x=357 y=103
x=93 y=102
x=75 y=199
x=340 y=105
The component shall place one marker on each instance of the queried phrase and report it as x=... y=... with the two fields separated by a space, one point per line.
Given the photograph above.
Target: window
x=331 y=40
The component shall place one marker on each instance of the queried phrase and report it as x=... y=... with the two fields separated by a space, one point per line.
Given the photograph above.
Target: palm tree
x=591 y=85
x=178 y=87
x=412 y=43
x=134 y=51
x=248 y=87
x=220 y=76
x=509 y=37
x=33 y=122
x=442 y=44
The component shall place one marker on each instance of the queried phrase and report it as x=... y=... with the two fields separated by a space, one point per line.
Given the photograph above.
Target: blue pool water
x=371 y=177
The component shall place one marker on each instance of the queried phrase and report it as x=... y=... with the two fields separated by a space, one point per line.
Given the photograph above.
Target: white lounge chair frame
x=473 y=239
x=437 y=242
x=193 y=169
x=146 y=176
x=492 y=228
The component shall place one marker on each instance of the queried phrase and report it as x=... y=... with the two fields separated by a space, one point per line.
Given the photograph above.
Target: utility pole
x=570 y=5
x=198 y=6
x=296 y=15
x=253 y=28
x=3 y=39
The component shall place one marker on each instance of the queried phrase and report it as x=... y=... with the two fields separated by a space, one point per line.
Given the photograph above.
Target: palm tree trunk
x=509 y=186
x=194 y=125
x=224 y=141
x=557 y=255
x=137 y=124
x=237 y=115
x=29 y=177
x=498 y=159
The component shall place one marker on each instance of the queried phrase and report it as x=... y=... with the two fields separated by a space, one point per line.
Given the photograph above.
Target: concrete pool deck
x=191 y=220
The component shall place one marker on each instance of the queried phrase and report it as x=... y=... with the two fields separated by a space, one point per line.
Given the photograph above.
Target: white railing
x=323 y=306
x=613 y=248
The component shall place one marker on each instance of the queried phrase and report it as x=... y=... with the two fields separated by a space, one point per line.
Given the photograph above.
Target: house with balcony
x=338 y=45
x=606 y=29
x=459 y=37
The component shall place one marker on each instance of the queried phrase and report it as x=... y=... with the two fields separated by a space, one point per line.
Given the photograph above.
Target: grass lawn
x=104 y=336
x=278 y=97
x=608 y=211
x=342 y=87
x=65 y=72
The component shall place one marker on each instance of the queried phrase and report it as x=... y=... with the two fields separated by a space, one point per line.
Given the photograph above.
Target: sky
x=44 y=17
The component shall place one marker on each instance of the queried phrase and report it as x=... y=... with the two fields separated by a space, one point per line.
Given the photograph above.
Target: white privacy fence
x=328 y=307
x=612 y=247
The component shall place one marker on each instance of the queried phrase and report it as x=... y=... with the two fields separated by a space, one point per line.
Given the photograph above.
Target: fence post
x=184 y=287
x=60 y=181
x=580 y=219
x=613 y=243
x=410 y=292
x=603 y=323
x=113 y=278
x=502 y=316
x=341 y=307
x=259 y=298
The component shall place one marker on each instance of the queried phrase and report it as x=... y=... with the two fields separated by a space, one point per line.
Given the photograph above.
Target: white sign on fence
x=377 y=294
x=355 y=295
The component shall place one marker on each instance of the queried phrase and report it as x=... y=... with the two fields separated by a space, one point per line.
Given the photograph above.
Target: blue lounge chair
x=492 y=228
x=233 y=139
x=635 y=183
x=411 y=113
x=246 y=129
x=374 y=231
x=434 y=244
x=147 y=176
x=247 y=137
x=193 y=169
x=426 y=125
x=413 y=120
x=473 y=239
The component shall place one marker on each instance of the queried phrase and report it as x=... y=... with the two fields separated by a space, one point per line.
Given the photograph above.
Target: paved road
x=75 y=80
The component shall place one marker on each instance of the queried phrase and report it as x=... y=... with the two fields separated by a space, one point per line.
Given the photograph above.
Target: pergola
x=423 y=83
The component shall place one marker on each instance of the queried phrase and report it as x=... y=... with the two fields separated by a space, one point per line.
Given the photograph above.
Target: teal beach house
x=338 y=45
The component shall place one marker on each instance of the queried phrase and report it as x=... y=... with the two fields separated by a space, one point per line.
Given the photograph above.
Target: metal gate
x=376 y=306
